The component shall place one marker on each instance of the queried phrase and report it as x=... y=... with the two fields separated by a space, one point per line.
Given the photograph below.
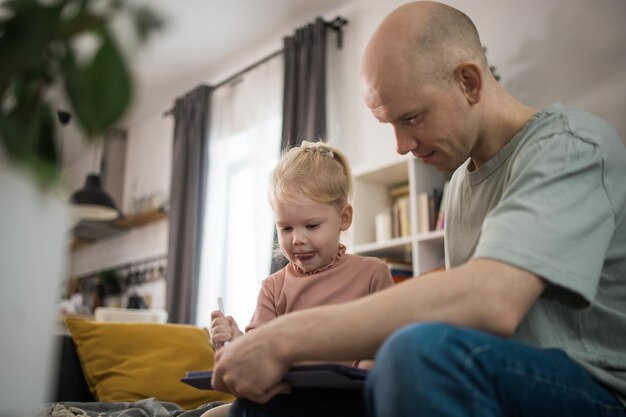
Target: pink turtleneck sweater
x=345 y=278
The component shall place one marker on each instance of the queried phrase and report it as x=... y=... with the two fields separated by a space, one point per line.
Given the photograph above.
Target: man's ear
x=346 y=217
x=470 y=78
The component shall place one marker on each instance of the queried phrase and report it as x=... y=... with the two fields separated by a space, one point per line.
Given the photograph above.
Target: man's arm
x=482 y=294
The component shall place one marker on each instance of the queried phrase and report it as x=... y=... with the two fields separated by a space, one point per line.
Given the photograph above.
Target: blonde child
x=309 y=193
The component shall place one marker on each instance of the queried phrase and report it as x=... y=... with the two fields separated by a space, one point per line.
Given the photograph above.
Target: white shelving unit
x=371 y=196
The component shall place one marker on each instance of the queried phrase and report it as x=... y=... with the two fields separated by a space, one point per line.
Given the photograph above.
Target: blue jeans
x=434 y=369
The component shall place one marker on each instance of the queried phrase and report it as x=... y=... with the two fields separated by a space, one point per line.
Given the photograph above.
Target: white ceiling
x=200 y=34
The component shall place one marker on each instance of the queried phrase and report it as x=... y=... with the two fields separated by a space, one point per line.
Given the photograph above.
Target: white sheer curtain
x=238 y=228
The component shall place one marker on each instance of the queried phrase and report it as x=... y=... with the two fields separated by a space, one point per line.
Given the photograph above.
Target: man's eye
x=413 y=120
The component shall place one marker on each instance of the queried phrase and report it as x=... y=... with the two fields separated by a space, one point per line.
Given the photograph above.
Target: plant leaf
x=24 y=37
x=100 y=91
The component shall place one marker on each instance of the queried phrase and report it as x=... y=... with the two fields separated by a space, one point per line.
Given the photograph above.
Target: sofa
x=107 y=366
x=69 y=381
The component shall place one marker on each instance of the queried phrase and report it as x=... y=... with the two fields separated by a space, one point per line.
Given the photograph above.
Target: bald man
x=529 y=317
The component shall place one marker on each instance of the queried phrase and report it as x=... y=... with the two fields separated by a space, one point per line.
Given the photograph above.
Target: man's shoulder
x=577 y=124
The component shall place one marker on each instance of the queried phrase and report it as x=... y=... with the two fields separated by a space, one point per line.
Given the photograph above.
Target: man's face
x=430 y=121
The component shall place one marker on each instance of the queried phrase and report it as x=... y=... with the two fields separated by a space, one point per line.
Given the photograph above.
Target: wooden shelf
x=92 y=232
x=141 y=219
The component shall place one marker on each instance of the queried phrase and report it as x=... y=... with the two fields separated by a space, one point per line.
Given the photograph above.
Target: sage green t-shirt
x=553 y=202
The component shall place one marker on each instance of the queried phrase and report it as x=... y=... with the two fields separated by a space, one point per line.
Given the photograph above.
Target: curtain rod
x=336 y=24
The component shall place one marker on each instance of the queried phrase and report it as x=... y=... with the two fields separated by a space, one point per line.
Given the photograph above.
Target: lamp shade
x=92 y=203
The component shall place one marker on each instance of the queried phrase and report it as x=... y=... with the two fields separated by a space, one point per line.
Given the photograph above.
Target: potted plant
x=65 y=46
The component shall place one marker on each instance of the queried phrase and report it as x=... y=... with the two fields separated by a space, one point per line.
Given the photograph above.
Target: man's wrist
x=281 y=342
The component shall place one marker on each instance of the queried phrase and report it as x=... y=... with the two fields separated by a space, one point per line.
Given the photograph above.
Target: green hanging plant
x=38 y=51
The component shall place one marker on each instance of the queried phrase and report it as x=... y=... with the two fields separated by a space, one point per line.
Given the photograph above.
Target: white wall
x=572 y=51
x=148 y=170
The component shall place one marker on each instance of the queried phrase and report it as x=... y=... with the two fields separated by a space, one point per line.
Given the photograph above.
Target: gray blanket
x=149 y=407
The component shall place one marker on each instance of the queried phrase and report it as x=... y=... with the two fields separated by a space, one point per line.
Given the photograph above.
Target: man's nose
x=405 y=142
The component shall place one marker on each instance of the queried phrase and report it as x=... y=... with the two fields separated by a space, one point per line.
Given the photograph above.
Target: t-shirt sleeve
x=555 y=219
x=381 y=278
x=265 y=305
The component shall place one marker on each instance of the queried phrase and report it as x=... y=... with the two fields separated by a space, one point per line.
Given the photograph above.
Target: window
x=238 y=228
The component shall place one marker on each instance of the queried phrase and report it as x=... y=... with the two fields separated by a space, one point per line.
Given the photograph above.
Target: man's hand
x=250 y=368
x=223 y=329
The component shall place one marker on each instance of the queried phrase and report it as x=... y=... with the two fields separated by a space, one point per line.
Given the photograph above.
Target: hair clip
x=318 y=146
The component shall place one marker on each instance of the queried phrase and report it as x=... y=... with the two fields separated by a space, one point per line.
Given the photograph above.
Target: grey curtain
x=187 y=190
x=304 y=97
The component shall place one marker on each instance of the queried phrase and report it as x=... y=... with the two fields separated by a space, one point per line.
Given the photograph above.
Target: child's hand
x=223 y=329
x=365 y=364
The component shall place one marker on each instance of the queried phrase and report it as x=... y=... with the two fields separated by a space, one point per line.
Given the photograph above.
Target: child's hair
x=314 y=170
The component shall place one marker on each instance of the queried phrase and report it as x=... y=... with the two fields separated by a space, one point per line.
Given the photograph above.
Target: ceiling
x=200 y=34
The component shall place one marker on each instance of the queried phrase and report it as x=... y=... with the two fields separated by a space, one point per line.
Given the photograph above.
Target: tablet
x=313 y=376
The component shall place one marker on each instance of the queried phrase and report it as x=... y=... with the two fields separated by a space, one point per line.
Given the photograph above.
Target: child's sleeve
x=381 y=278
x=265 y=306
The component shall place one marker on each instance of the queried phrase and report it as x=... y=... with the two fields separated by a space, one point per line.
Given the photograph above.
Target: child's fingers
x=220 y=338
x=220 y=321
x=216 y=314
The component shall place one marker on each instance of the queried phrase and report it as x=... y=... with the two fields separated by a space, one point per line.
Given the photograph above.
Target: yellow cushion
x=133 y=361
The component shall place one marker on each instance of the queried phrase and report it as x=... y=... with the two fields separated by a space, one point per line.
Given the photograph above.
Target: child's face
x=308 y=231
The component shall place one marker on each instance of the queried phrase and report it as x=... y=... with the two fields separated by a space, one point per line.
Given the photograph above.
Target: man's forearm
x=485 y=295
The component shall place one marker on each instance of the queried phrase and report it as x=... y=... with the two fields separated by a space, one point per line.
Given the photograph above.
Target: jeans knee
x=405 y=366
x=416 y=341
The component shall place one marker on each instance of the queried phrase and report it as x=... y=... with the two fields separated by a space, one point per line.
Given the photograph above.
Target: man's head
x=424 y=72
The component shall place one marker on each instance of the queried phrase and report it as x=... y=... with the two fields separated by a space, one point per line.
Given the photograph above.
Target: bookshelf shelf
x=396 y=248
x=373 y=194
x=434 y=235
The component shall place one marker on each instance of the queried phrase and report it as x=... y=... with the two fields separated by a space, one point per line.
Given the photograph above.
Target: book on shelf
x=429 y=205
x=440 y=222
x=395 y=221
x=398 y=277
x=423 y=224
x=403 y=216
x=434 y=205
x=399 y=190
x=399 y=269
x=399 y=212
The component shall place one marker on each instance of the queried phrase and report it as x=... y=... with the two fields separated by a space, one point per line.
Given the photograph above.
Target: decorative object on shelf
x=114 y=285
x=136 y=301
x=111 y=281
x=383 y=226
